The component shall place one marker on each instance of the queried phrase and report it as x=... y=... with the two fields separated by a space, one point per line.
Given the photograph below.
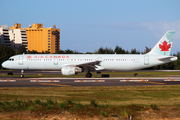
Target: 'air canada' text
x=48 y=56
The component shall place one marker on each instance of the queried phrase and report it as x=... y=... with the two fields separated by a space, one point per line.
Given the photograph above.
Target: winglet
x=163 y=47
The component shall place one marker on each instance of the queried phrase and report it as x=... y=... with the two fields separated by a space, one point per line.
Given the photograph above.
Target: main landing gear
x=88 y=75
x=22 y=75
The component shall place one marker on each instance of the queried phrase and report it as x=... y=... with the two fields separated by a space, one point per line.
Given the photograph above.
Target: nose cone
x=4 y=65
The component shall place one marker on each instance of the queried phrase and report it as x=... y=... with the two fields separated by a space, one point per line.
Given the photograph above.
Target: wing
x=87 y=65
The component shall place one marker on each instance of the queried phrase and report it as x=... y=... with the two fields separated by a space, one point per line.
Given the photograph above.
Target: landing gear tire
x=88 y=75
x=21 y=75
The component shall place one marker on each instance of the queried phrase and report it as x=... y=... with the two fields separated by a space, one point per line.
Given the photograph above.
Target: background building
x=34 y=37
x=18 y=36
x=4 y=36
x=43 y=39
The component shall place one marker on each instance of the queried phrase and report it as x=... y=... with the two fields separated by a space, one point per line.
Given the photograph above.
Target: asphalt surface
x=30 y=72
x=83 y=82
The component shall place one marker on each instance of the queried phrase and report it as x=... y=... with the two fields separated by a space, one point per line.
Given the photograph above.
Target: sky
x=87 y=25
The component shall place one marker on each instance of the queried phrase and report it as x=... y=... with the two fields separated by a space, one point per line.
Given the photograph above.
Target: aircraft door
x=146 y=60
x=55 y=61
x=20 y=60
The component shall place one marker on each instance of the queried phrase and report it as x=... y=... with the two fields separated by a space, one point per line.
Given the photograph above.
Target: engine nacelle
x=70 y=70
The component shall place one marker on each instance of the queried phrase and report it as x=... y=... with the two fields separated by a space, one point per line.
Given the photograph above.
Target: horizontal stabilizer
x=171 y=58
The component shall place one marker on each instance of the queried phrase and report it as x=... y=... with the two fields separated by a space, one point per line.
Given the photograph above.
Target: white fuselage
x=108 y=61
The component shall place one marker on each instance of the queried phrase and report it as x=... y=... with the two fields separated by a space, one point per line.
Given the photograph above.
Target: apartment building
x=43 y=39
x=4 y=36
x=18 y=36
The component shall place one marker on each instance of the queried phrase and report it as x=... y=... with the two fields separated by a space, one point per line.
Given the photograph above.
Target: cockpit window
x=11 y=59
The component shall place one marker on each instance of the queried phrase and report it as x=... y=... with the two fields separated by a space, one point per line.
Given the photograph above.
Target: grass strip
x=94 y=109
x=141 y=102
x=115 y=95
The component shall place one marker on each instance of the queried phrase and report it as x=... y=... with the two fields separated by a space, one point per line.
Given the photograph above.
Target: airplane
x=71 y=64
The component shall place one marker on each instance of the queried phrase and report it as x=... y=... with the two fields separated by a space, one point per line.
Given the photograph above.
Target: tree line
x=6 y=52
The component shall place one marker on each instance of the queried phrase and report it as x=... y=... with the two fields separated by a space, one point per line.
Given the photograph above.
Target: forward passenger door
x=21 y=60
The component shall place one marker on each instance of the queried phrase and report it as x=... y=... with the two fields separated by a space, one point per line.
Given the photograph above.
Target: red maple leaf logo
x=29 y=57
x=164 y=46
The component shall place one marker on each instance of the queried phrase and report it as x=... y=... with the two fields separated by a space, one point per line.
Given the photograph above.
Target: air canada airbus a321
x=72 y=64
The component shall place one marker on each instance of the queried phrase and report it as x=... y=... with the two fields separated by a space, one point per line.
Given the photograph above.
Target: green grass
x=51 y=107
x=154 y=107
x=116 y=95
x=118 y=101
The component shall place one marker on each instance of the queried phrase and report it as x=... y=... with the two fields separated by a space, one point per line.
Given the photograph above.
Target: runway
x=83 y=82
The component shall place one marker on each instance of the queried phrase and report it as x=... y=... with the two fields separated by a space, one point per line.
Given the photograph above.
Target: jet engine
x=70 y=70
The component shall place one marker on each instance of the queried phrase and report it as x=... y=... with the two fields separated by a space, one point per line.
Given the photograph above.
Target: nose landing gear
x=22 y=74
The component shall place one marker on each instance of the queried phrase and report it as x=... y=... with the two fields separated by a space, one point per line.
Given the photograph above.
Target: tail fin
x=163 y=47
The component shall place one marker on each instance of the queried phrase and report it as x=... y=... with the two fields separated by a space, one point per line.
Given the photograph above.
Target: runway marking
x=55 y=84
x=171 y=80
x=134 y=80
x=141 y=81
x=7 y=80
x=78 y=80
x=156 y=83
x=44 y=81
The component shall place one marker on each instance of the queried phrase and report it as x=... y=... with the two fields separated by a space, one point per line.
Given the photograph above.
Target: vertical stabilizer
x=163 y=47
